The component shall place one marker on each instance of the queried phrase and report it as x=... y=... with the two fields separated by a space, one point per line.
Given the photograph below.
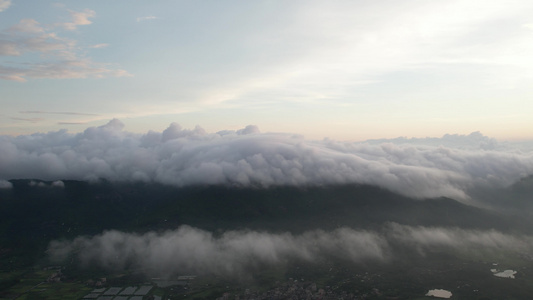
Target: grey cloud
x=31 y=120
x=58 y=183
x=424 y=238
x=56 y=113
x=189 y=249
x=4 y=184
x=184 y=157
x=55 y=184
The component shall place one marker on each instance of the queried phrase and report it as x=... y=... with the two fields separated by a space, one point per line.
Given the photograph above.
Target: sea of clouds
x=451 y=166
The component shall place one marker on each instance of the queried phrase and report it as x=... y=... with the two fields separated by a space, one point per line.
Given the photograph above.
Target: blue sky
x=347 y=70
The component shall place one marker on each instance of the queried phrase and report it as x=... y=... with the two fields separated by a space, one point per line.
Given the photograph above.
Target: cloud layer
x=183 y=157
x=189 y=249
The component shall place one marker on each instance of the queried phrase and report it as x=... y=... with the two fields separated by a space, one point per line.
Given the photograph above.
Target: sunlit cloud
x=4 y=4
x=78 y=18
x=249 y=158
x=98 y=46
x=60 y=57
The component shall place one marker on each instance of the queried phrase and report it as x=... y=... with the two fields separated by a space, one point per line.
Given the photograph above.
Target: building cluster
x=119 y=293
x=295 y=289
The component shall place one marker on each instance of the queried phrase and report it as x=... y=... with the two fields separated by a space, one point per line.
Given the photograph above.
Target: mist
x=233 y=253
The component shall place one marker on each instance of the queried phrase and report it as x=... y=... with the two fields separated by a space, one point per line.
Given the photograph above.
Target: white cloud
x=147 y=18
x=59 y=57
x=98 y=46
x=528 y=26
x=184 y=157
x=78 y=18
x=4 y=4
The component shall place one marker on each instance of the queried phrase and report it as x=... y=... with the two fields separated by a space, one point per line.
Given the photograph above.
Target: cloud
x=31 y=120
x=184 y=157
x=98 y=46
x=55 y=184
x=528 y=26
x=189 y=249
x=58 y=183
x=4 y=4
x=429 y=238
x=56 y=113
x=473 y=141
x=71 y=123
x=78 y=18
x=147 y=18
x=59 y=57
x=4 y=184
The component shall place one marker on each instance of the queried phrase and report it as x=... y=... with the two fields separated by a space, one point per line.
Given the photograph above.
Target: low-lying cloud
x=4 y=184
x=183 y=157
x=194 y=250
x=189 y=249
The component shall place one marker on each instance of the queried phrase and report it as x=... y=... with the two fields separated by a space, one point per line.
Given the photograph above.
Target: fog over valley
x=236 y=253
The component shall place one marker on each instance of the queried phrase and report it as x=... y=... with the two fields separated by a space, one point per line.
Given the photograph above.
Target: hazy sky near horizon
x=347 y=70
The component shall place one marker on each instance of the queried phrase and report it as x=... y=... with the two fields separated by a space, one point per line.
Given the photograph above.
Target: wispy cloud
x=56 y=113
x=59 y=57
x=4 y=4
x=31 y=120
x=78 y=18
x=71 y=123
x=147 y=18
x=98 y=46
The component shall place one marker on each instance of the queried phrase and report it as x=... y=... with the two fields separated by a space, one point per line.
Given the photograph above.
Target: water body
x=504 y=274
x=438 y=293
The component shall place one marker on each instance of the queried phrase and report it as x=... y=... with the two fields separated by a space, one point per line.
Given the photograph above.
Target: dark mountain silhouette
x=32 y=215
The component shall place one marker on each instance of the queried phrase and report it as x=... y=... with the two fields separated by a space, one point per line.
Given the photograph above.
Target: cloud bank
x=189 y=249
x=246 y=157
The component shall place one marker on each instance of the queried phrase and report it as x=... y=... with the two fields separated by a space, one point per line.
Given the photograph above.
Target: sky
x=343 y=70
